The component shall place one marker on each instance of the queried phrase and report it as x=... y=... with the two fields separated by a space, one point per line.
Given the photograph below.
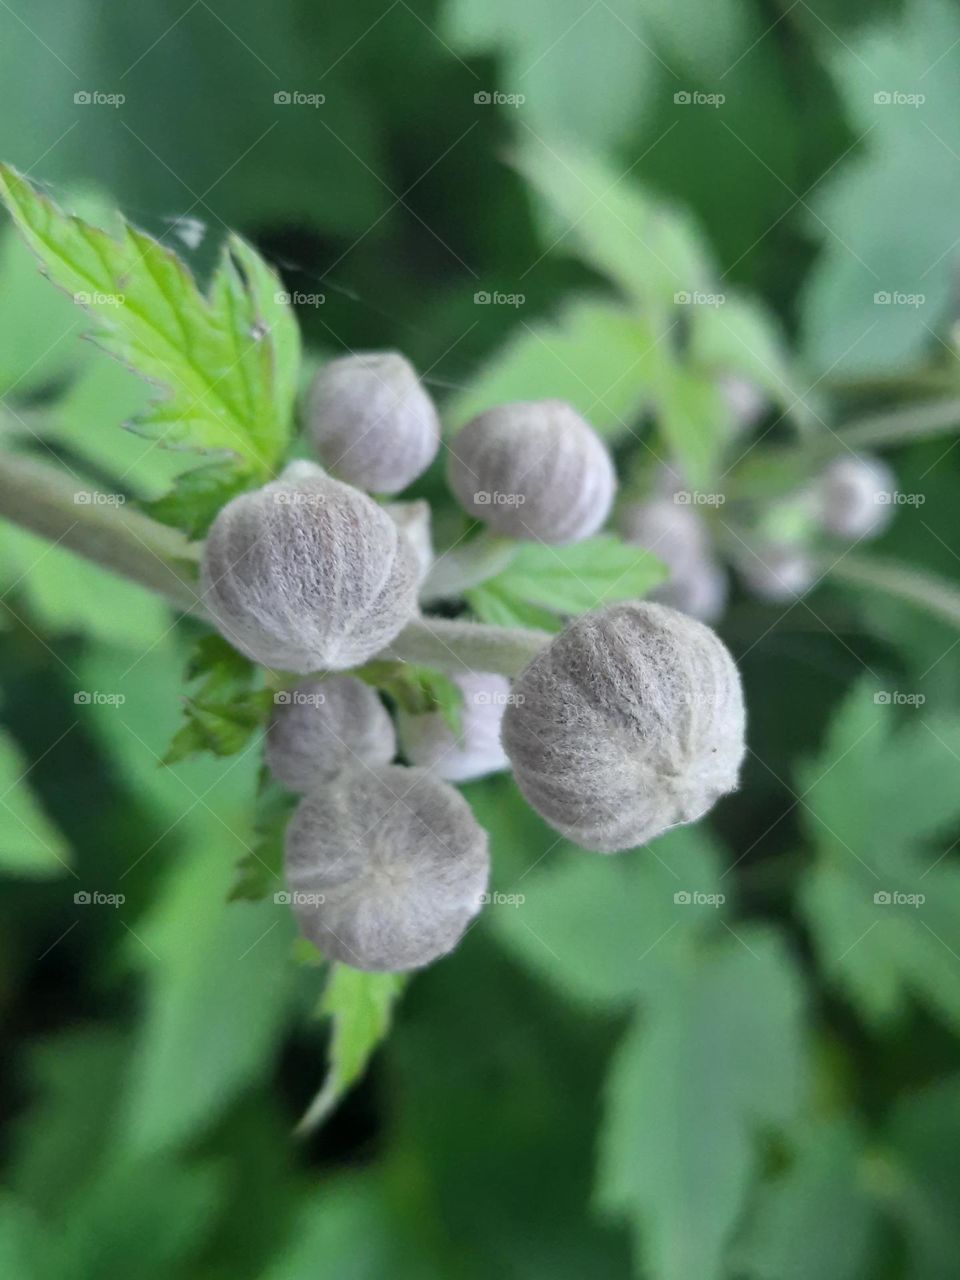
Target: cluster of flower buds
x=628 y=722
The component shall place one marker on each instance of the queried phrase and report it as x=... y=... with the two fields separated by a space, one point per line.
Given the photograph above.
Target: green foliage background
x=601 y=1081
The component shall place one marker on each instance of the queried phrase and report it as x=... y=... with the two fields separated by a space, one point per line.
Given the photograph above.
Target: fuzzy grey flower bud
x=632 y=721
x=778 y=572
x=676 y=535
x=475 y=750
x=322 y=726
x=746 y=401
x=371 y=422
x=853 y=496
x=533 y=470
x=387 y=867
x=307 y=573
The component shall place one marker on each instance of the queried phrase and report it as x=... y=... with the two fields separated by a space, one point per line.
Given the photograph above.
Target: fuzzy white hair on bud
x=630 y=722
x=307 y=574
x=386 y=867
x=534 y=469
x=371 y=421
x=321 y=726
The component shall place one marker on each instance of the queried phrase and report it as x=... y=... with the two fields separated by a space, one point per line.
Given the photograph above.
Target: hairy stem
x=100 y=527
x=41 y=498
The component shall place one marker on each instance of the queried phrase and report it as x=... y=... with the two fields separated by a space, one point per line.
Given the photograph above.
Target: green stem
x=41 y=498
x=100 y=527
x=903 y=581
x=915 y=422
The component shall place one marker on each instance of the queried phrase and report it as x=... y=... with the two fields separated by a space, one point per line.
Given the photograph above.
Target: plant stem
x=456 y=647
x=915 y=422
x=41 y=498
x=100 y=527
x=467 y=565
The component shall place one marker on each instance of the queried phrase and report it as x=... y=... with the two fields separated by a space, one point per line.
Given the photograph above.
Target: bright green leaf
x=227 y=362
x=30 y=845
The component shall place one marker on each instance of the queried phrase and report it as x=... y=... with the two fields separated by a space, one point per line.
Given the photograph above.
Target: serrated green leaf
x=225 y=712
x=227 y=362
x=197 y=496
x=883 y=896
x=905 y=175
x=30 y=845
x=360 y=1006
x=716 y=1057
x=573 y=579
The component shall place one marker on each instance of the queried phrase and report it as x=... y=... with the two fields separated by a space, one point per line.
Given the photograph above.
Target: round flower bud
x=675 y=534
x=631 y=721
x=323 y=725
x=778 y=572
x=307 y=573
x=853 y=496
x=474 y=751
x=371 y=422
x=413 y=518
x=533 y=470
x=386 y=867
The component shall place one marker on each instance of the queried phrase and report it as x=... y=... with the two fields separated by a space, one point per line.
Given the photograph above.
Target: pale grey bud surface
x=371 y=421
x=307 y=573
x=677 y=536
x=414 y=520
x=631 y=721
x=778 y=572
x=533 y=470
x=854 y=496
x=321 y=726
x=386 y=867
x=473 y=752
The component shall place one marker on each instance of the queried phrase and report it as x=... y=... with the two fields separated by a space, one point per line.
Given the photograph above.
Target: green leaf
x=905 y=175
x=225 y=712
x=924 y=1178
x=573 y=579
x=743 y=337
x=649 y=249
x=608 y=931
x=716 y=1058
x=883 y=896
x=197 y=496
x=416 y=689
x=490 y=603
x=259 y=872
x=30 y=845
x=547 y=49
x=227 y=361
x=594 y=354
x=361 y=1007
x=68 y=595
x=218 y=986
x=817 y=1218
